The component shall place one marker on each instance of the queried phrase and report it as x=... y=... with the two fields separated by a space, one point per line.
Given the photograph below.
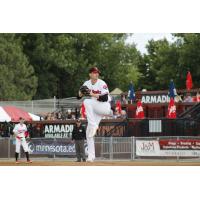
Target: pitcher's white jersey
x=100 y=87
x=20 y=130
x=95 y=111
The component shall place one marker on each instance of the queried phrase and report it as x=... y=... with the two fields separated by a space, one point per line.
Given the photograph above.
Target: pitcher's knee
x=86 y=101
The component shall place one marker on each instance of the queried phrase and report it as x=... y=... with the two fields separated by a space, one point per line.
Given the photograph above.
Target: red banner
x=182 y=144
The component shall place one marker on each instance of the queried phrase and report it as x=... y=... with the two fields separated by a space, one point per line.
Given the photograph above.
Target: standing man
x=96 y=107
x=20 y=132
x=79 y=136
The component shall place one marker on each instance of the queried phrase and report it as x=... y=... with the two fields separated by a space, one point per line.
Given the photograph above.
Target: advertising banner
x=168 y=147
x=147 y=148
x=58 y=130
x=52 y=146
x=164 y=98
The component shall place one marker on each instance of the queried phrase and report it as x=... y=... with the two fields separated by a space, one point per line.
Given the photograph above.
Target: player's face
x=21 y=121
x=94 y=75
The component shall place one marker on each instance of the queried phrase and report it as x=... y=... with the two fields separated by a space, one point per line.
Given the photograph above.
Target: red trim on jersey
x=105 y=87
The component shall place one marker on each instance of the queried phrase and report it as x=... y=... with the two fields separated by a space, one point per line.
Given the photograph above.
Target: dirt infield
x=102 y=163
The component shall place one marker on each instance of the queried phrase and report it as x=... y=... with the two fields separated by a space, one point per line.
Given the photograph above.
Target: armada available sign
x=58 y=130
x=155 y=98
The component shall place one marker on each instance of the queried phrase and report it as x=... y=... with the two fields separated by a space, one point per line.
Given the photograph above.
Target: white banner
x=157 y=148
x=147 y=148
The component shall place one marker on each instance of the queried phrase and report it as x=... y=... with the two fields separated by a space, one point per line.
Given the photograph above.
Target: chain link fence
x=45 y=105
x=35 y=106
x=111 y=148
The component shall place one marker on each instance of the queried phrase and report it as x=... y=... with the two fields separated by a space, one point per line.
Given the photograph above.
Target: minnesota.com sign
x=52 y=147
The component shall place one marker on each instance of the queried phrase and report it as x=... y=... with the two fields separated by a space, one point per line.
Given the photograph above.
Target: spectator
x=123 y=114
x=48 y=116
x=124 y=100
x=73 y=117
x=53 y=116
x=116 y=114
x=188 y=98
x=63 y=114
x=59 y=115
x=69 y=114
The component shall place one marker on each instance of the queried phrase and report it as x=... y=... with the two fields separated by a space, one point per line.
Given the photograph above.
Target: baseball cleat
x=90 y=160
x=29 y=161
x=17 y=162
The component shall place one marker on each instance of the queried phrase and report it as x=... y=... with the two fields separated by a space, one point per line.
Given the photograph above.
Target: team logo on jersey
x=105 y=87
x=96 y=91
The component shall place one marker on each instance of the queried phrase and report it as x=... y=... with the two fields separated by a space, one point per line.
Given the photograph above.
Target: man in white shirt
x=96 y=107
x=20 y=132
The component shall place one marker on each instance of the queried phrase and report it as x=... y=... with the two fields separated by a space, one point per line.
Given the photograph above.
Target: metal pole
x=19 y=152
x=8 y=148
x=54 y=155
x=102 y=141
x=178 y=156
x=54 y=103
x=133 y=148
x=32 y=106
x=111 y=148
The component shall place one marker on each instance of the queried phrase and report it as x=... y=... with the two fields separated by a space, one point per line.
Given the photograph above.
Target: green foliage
x=37 y=66
x=61 y=61
x=189 y=59
x=17 y=79
x=165 y=61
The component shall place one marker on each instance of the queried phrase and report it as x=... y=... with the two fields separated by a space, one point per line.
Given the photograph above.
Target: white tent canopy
x=34 y=117
x=4 y=117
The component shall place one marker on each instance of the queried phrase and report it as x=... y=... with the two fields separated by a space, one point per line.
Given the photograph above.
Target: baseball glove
x=85 y=90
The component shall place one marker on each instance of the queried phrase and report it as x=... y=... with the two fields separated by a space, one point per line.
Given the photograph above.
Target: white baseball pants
x=20 y=142
x=95 y=110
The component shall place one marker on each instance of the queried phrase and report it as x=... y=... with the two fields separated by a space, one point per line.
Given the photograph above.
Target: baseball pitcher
x=96 y=107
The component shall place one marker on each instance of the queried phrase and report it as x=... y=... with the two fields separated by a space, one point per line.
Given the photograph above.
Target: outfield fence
x=111 y=148
x=44 y=105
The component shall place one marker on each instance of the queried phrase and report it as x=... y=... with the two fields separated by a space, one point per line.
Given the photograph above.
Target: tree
x=61 y=61
x=159 y=65
x=17 y=79
x=165 y=61
x=189 y=58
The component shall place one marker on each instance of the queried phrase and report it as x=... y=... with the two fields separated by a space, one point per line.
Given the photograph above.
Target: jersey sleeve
x=15 y=130
x=87 y=84
x=104 y=88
